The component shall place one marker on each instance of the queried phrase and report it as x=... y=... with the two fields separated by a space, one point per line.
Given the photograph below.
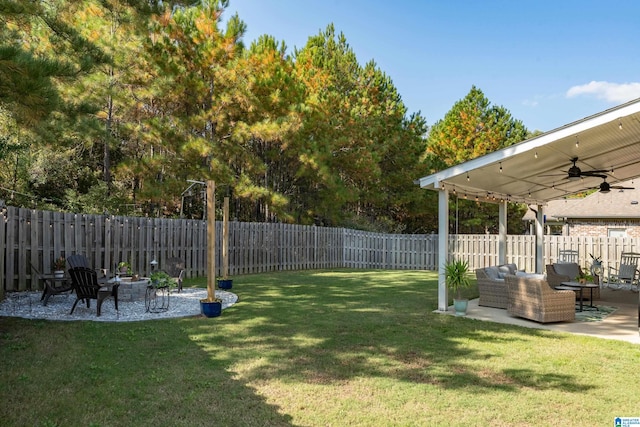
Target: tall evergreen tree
x=355 y=140
x=194 y=97
x=472 y=128
x=37 y=48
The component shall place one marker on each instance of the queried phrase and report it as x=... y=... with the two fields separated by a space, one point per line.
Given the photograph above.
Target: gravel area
x=182 y=304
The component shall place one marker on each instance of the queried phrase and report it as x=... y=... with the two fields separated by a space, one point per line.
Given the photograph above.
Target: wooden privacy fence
x=34 y=238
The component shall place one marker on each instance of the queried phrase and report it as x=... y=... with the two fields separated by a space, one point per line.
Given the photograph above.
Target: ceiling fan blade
x=619 y=187
x=554 y=174
x=574 y=172
x=597 y=172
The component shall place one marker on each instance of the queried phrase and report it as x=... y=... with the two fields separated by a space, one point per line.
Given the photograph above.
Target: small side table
x=577 y=286
x=156 y=299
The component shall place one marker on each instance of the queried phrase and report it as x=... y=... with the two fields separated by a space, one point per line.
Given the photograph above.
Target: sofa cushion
x=505 y=269
x=570 y=269
x=492 y=272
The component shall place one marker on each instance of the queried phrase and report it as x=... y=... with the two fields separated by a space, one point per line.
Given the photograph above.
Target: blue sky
x=548 y=62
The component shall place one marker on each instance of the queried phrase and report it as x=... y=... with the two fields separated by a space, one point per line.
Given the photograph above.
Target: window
x=617 y=232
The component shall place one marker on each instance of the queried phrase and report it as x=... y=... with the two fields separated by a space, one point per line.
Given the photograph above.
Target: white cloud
x=611 y=92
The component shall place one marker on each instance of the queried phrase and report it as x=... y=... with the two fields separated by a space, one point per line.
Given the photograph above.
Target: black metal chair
x=175 y=269
x=85 y=283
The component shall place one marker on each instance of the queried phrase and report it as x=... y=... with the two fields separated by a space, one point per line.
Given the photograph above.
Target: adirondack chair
x=175 y=269
x=627 y=274
x=85 y=283
x=51 y=285
x=77 y=260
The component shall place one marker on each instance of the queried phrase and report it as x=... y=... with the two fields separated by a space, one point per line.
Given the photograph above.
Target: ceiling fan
x=605 y=187
x=574 y=171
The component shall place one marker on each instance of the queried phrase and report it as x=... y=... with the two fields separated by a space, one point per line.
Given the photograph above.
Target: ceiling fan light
x=574 y=172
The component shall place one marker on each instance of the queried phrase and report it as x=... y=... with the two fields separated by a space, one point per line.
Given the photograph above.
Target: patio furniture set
x=552 y=297
x=524 y=294
x=86 y=284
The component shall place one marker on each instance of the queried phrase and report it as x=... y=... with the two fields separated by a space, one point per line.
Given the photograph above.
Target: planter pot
x=58 y=274
x=225 y=283
x=460 y=306
x=211 y=309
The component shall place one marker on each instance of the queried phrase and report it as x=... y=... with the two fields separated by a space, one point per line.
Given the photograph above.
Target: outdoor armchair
x=85 y=283
x=567 y=272
x=51 y=285
x=77 y=260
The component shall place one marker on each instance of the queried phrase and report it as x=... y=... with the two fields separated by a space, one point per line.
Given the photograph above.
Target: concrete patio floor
x=620 y=325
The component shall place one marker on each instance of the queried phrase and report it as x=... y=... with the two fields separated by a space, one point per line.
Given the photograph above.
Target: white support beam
x=502 y=230
x=443 y=247
x=540 y=240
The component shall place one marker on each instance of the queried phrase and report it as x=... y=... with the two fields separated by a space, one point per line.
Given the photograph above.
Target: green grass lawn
x=317 y=348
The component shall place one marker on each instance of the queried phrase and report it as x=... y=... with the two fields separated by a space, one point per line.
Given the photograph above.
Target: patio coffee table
x=575 y=286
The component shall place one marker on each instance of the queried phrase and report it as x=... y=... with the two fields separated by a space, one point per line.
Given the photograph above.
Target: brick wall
x=595 y=228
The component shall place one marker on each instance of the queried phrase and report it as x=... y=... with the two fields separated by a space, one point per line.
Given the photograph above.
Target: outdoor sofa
x=491 y=285
x=532 y=298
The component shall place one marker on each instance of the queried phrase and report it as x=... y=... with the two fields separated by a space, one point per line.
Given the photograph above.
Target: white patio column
x=502 y=233
x=540 y=240
x=443 y=247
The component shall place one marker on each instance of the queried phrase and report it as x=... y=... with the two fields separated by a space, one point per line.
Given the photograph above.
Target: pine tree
x=472 y=128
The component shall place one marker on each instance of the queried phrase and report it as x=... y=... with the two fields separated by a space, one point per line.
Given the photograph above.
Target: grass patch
x=312 y=348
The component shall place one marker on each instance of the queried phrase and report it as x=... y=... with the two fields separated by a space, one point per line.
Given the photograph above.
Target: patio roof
x=535 y=171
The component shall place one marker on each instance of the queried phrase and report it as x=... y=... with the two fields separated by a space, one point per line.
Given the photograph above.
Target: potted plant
x=225 y=283
x=160 y=279
x=584 y=277
x=456 y=279
x=59 y=265
x=596 y=268
x=211 y=307
x=124 y=267
x=157 y=297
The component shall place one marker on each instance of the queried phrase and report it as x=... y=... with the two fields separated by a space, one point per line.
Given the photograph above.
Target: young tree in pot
x=456 y=279
x=211 y=306
x=225 y=282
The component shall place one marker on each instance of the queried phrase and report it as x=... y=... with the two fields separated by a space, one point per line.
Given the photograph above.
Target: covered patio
x=597 y=152
x=621 y=325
